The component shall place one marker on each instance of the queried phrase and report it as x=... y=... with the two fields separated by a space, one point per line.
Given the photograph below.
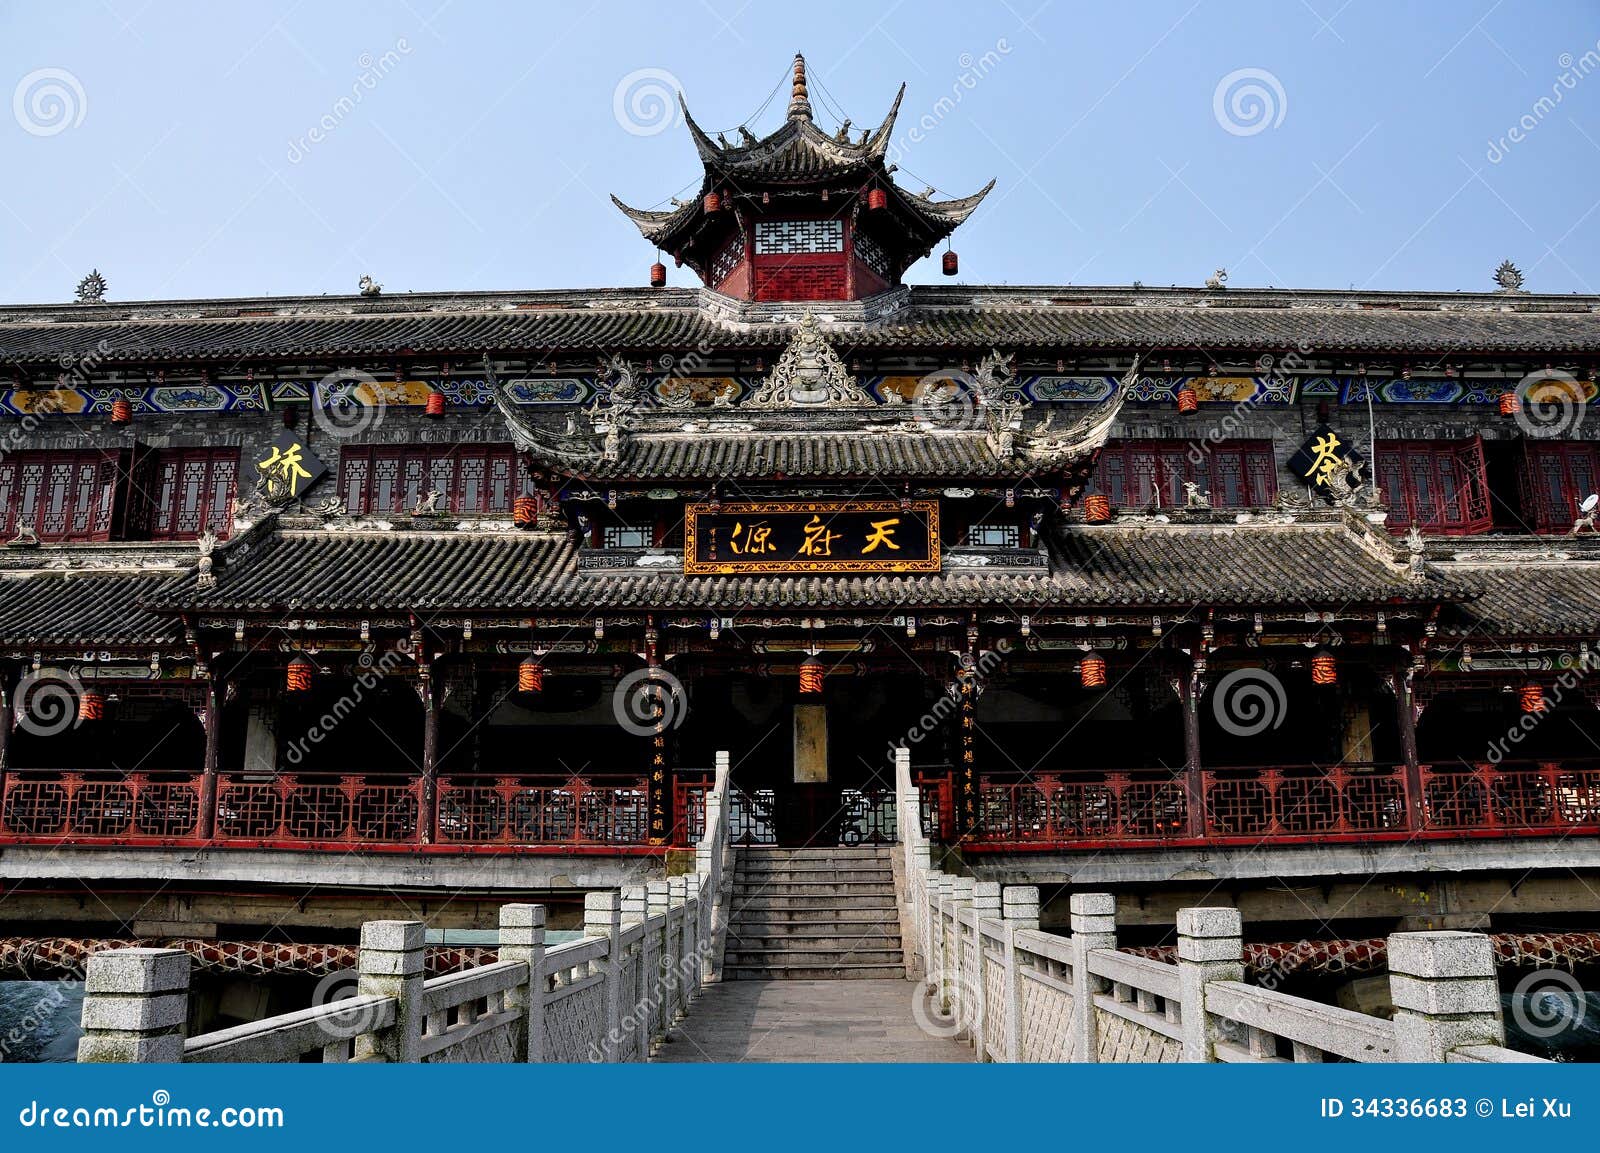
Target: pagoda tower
x=801 y=214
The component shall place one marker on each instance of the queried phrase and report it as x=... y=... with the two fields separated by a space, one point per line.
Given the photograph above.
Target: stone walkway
x=806 y=1021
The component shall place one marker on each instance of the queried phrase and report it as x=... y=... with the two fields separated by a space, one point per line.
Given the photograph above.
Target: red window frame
x=1441 y=486
x=390 y=479
x=192 y=491
x=1556 y=476
x=61 y=496
x=1237 y=473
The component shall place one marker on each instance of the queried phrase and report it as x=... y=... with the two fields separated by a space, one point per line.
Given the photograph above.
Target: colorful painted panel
x=685 y=391
x=177 y=399
x=537 y=390
x=1421 y=391
x=1066 y=389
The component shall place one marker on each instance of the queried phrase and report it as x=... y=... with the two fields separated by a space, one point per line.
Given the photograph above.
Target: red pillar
x=1406 y=723
x=428 y=816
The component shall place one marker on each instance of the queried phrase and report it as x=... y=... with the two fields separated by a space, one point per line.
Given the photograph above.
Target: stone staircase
x=813 y=914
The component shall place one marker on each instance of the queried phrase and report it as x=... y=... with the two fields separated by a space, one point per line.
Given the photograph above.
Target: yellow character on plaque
x=819 y=541
x=1326 y=461
x=882 y=533
x=757 y=538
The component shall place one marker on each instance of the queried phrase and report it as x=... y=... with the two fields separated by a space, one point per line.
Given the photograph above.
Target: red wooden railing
x=1288 y=805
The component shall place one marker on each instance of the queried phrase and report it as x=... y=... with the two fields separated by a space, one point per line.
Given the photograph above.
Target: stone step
x=843 y=889
x=814 y=908
x=813 y=876
x=852 y=972
x=775 y=852
x=843 y=920
x=741 y=943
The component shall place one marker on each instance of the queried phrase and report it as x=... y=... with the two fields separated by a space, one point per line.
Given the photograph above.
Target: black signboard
x=289 y=468
x=812 y=536
x=1324 y=459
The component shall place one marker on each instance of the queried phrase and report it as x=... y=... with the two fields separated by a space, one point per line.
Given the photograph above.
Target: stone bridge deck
x=807 y=1021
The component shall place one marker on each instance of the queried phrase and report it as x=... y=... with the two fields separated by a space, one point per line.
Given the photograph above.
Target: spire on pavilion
x=801 y=214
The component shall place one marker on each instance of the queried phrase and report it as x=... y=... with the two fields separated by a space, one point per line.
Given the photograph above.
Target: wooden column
x=211 y=719
x=1189 y=682
x=428 y=813
x=1406 y=724
x=5 y=732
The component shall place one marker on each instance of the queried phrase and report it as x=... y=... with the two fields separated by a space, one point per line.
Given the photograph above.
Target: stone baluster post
x=1019 y=906
x=938 y=972
x=1094 y=926
x=961 y=977
x=985 y=907
x=134 y=1006
x=1445 y=994
x=678 y=946
x=522 y=940
x=1210 y=948
x=391 y=963
x=691 y=971
x=602 y=917
x=653 y=989
x=635 y=909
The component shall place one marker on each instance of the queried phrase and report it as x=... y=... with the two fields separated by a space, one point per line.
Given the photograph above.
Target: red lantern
x=1531 y=697
x=91 y=705
x=713 y=202
x=121 y=411
x=1324 y=668
x=298 y=675
x=1509 y=404
x=435 y=403
x=877 y=199
x=811 y=674
x=658 y=275
x=530 y=676
x=1092 y=671
x=1188 y=399
x=1097 y=508
x=524 y=511
x=952 y=264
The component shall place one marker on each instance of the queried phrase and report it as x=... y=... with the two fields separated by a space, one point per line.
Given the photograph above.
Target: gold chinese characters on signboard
x=812 y=536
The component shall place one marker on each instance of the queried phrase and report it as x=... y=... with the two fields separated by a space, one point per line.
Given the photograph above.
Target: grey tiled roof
x=1559 y=598
x=932 y=318
x=51 y=608
x=1103 y=566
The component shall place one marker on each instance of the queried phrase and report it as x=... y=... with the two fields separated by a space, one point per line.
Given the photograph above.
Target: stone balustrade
x=609 y=996
x=1018 y=994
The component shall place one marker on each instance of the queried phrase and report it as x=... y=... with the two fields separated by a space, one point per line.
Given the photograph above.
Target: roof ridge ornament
x=809 y=373
x=799 y=99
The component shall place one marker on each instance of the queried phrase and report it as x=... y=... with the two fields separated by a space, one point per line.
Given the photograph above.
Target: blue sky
x=170 y=144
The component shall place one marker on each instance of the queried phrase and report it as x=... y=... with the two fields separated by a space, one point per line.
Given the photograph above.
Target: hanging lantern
x=1509 y=404
x=658 y=275
x=524 y=511
x=1092 y=671
x=1097 y=508
x=1324 y=668
x=1188 y=399
x=92 y=705
x=952 y=263
x=713 y=202
x=530 y=676
x=121 y=411
x=877 y=199
x=811 y=676
x=435 y=403
x=1531 y=697
x=298 y=675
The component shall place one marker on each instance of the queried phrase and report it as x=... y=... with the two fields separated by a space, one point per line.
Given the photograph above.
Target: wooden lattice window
x=1236 y=473
x=790 y=237
x=387 y=479
x=192 y=491
x=990 y=534
x=871 y=253
x=60 y=495
x=1556 y=476
x=1438 y=485
x=728 y=259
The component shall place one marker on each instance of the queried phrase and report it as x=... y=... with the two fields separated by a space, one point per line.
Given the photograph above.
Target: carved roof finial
x=1509 y=277
x=92 y=288
x=799 y=101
